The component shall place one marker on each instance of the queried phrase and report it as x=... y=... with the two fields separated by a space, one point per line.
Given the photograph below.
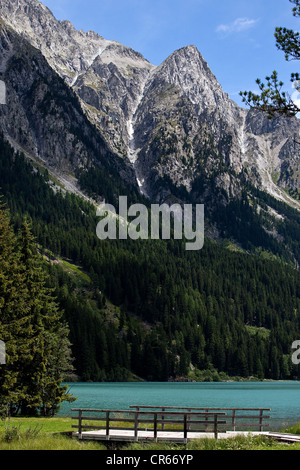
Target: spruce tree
x=36 y=339
x=13 y=313
x=50 y=358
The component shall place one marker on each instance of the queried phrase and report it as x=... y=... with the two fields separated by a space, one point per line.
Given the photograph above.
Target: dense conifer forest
x=148 y=309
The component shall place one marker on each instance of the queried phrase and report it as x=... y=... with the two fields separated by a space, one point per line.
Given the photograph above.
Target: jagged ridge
x=173 y=120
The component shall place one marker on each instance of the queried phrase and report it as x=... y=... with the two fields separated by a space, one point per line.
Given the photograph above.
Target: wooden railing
x=155 y=421
x=236 y=417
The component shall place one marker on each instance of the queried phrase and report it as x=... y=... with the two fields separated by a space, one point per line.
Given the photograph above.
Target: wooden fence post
x=155 y=426
x=233 y=420
x=136 y=424
x=162 y=418
x=206 y=419
x=216 y=426
x=107 y=425
x=80 y=424
x=188 y=419
x=261 y=420
x=185 y=427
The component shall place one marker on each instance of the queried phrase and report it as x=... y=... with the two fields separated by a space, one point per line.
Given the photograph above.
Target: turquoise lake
x=282 y=397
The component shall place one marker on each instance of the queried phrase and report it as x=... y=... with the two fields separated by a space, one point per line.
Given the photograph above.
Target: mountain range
x=171 y=121
x=99 y=120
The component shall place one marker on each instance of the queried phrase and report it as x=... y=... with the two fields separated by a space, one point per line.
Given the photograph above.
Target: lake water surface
x=282 y=397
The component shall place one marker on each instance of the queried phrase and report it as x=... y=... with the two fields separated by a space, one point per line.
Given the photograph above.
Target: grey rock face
x=69 y=52
x=172 y=125
x=190 y=132
x=110 y=90
x=43 y=116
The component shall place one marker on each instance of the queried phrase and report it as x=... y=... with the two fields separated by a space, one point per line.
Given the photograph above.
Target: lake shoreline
x=280 y=396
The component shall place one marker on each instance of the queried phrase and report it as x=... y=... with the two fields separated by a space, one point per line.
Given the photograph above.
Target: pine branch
x=272 y=99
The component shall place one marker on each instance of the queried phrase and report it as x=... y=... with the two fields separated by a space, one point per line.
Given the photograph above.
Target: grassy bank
x=54 y=434
x=40 y=434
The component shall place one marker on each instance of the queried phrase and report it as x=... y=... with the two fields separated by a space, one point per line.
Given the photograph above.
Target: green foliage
x=288 y=40
x=240 y=220
x=95 y=181
x=13 y=432
x=272 y=99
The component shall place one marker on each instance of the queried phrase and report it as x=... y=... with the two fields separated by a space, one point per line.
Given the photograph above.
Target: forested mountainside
x=88 y=120
x=148 y=308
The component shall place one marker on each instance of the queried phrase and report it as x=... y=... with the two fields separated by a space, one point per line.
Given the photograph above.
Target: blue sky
x=235 y=37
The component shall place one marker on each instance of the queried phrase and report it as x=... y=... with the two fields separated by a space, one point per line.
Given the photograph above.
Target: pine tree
x=50 y=357
x=31 y=326
x=13 y=312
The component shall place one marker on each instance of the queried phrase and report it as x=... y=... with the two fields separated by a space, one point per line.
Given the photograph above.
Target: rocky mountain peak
x=187 y=69
x=68 y=51
x=172 y=121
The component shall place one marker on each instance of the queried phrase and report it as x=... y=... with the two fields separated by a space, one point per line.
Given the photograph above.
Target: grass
x=54 y=434
x=51 y=434
x=73 y=269
x=255 y=443
x=295 y=429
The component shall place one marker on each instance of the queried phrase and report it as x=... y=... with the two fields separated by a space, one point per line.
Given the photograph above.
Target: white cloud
x=237 y=26
x=296 y=95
